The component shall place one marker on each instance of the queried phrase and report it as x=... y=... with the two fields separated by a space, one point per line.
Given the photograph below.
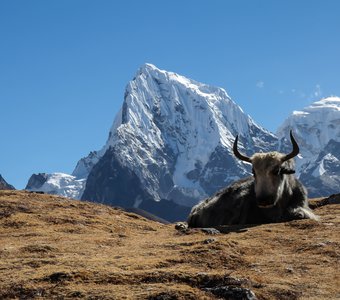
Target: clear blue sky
x=64 y=65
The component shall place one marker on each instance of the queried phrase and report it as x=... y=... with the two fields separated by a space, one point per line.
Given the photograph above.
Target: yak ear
x=284 y=170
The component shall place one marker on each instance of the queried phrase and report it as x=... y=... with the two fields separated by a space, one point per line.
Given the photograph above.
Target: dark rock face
x=220 y=171
x=109 y=182
x=4 y=185
x=36 y=181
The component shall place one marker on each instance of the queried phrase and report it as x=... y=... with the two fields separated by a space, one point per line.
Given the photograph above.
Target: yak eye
x=253 y=172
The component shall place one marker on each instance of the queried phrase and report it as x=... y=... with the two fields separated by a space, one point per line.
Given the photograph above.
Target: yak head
x=270 y=171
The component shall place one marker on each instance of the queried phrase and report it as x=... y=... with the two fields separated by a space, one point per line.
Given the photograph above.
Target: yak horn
x=295 y=150
x=238 y=154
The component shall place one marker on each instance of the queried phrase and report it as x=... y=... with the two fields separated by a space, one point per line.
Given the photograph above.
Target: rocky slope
x=56 y=248
x=4 y=185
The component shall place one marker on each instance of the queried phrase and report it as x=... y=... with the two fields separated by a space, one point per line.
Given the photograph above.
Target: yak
x=273 y=194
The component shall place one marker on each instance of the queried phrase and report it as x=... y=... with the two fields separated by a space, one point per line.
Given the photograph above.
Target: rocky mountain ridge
x=172 y=142
x=4 y=185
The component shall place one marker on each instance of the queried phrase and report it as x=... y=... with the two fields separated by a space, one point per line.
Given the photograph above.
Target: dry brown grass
x=56 y=248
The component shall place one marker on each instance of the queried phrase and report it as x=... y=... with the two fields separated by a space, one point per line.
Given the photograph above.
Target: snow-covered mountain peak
x=317 y=129
x=320 y=122
x=170 y=121
x=157 y=98
x=323 y=107
x=57 y=183
x=171 y=77
x=329 y=103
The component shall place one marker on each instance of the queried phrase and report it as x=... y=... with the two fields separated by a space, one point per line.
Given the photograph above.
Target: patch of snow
x=138 y=201
x=320 y=169
x=64 y=185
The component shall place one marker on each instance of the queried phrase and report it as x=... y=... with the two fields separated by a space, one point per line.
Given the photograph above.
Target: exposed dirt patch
x=52 y=247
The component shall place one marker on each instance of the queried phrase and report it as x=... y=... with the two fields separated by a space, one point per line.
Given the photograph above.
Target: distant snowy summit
x=316 y=124
x=170 y=145
x=317 y=128
x=57 y=184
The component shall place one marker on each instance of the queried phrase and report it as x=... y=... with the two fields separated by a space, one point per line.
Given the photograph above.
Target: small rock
x=163 y=296
x=232 y=292
x=209 y=241
x=334 y=199
x=181 y=226
x=58 y=276
x=76 y=294
x=210 y=231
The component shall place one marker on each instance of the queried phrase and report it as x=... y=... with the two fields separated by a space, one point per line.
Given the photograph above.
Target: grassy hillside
x=52 y=247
